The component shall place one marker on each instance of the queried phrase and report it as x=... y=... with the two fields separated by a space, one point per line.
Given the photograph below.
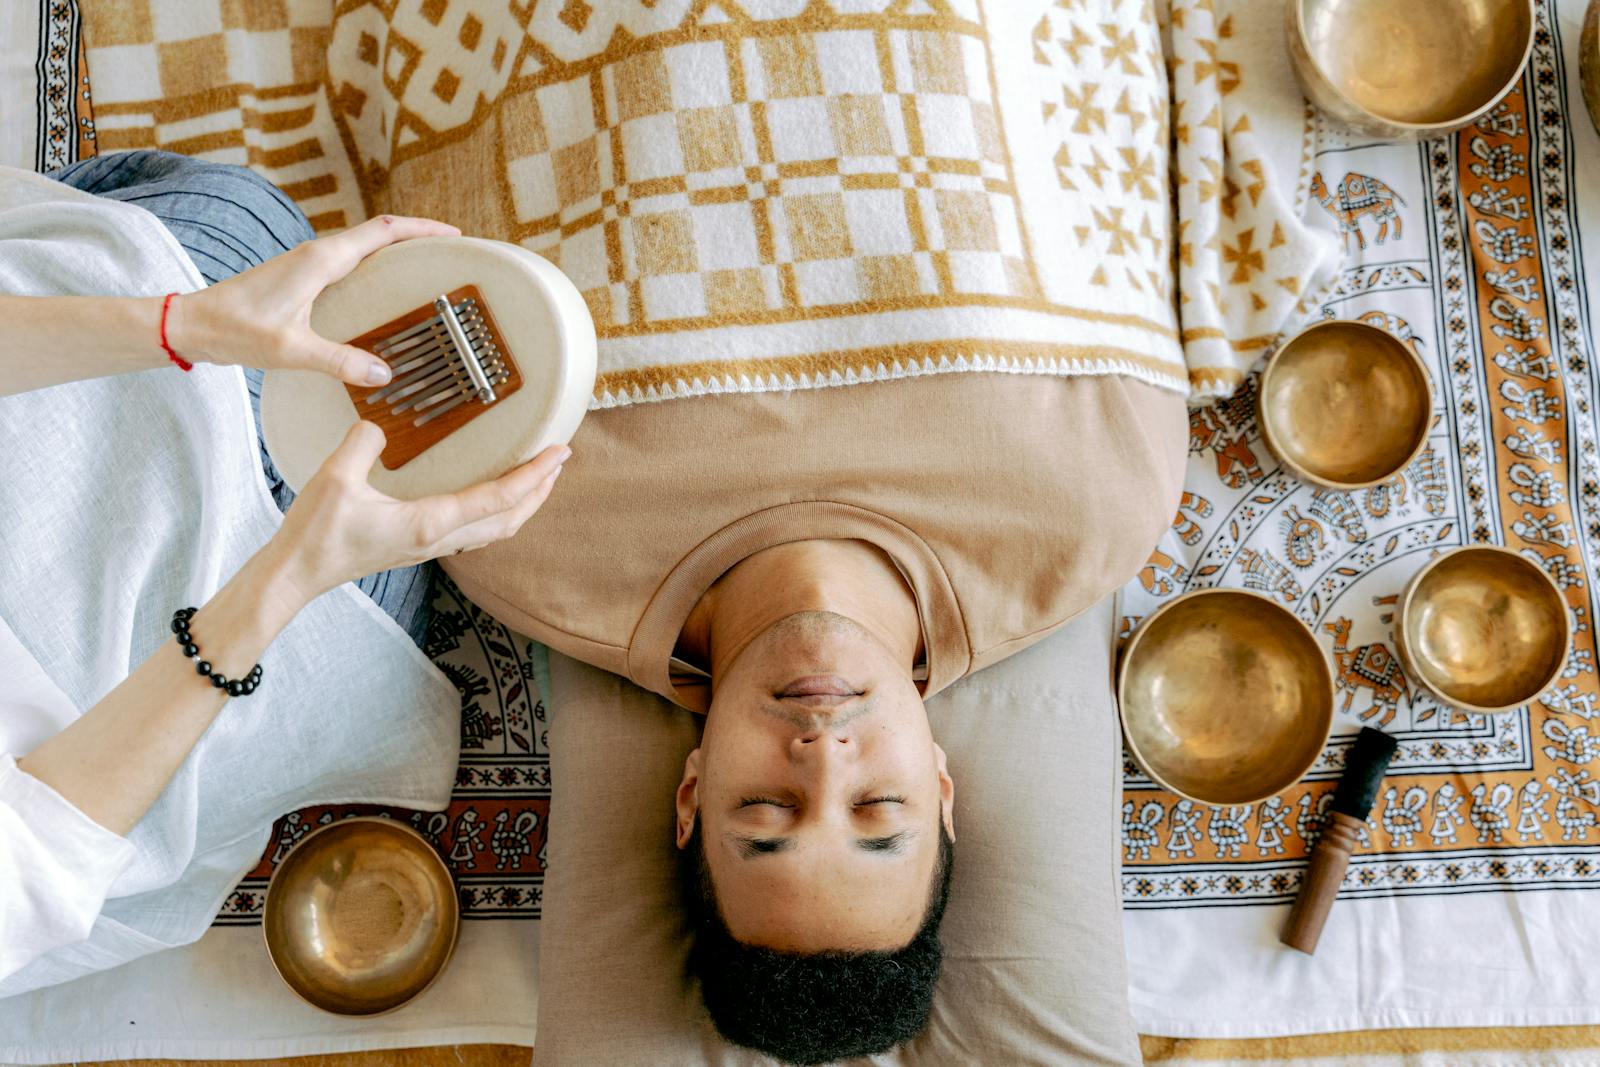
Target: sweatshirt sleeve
x=56 y=865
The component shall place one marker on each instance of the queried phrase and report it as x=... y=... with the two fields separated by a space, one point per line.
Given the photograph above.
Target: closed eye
x=751 y=802
x=880 y=800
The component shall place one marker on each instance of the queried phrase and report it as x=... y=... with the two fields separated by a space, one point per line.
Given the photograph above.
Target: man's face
x=819 y=813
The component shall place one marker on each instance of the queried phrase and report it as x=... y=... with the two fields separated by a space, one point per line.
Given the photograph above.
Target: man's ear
x=947 y=793
x=688 y=798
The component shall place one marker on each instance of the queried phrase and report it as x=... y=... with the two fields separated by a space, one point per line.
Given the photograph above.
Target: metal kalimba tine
x=449 y=363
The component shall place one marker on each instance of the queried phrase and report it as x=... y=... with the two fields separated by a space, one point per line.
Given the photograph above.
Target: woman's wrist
x=189 y=330
x=288 y=571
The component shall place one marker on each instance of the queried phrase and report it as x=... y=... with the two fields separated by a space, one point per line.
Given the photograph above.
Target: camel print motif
x=1356 y=197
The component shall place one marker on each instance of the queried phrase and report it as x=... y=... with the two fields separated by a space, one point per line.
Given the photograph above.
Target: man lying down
x=805 y=569
x=892 y=388
x=999 y=444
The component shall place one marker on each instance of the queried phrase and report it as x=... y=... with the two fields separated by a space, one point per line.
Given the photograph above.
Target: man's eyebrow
x=751 y=847
x=894 y=843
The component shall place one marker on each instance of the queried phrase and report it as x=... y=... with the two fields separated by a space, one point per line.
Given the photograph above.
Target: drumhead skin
x=543 y=318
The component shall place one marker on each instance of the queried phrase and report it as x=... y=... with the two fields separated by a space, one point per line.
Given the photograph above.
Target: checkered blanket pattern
x=767 y=194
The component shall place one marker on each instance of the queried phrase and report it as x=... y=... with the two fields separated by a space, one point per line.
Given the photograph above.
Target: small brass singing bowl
x=1345 y=405
x=1412 y=70
x=1483 y=629
x=1225 y=697
x=361 y=916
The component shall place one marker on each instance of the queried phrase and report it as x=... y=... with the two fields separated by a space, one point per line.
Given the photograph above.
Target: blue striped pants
x=229 y=219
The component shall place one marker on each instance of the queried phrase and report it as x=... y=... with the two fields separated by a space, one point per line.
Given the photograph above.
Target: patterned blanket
x=1479 y=266
x=774 y=194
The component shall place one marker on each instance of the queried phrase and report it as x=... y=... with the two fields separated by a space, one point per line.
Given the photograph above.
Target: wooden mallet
x=1352 y=803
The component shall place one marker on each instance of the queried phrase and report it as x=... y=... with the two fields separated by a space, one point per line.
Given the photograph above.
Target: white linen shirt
x=72 y=859
x=122 y=499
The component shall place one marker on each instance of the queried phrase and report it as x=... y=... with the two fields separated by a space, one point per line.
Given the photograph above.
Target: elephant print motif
x=1226 y=428
x=1357 y=196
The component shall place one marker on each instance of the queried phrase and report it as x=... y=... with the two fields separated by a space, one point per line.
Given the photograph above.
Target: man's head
x=816 y=819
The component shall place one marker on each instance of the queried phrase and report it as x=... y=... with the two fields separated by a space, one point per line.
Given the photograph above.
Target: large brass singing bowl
x=1483 y=628
x=361 y=916
x=1345 y=405
x=1225 y=697
x=1406 y=70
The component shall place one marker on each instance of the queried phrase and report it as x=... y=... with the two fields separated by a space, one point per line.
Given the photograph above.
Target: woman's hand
x=262 y=317
x=340 y=528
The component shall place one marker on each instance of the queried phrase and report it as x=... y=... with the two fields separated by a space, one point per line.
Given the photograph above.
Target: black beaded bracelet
x=241 y=687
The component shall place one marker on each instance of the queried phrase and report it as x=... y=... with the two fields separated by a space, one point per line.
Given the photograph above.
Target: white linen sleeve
x=56 y=865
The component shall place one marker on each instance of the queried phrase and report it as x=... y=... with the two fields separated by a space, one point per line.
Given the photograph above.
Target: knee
x=258 y=194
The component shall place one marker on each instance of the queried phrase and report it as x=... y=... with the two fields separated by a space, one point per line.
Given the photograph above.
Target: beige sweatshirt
x=1009 y=502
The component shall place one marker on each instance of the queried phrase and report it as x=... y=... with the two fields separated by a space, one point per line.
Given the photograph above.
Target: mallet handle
x=1320 y=886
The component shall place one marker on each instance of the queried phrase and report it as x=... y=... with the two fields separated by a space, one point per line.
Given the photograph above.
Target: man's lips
x=819 y=685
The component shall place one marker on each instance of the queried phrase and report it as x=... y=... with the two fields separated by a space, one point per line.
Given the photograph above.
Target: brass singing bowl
x=1483 y=628
x=1345 y=405
x=1407 y=70
x=361 y=916
x=1225 y=697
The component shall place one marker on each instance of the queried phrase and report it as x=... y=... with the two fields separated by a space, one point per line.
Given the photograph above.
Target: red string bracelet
x=179 y=360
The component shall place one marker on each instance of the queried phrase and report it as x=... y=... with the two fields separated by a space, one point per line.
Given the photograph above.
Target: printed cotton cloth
x=1479 y=867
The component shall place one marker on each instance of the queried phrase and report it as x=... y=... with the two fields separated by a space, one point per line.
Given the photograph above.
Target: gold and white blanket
x=774 y=194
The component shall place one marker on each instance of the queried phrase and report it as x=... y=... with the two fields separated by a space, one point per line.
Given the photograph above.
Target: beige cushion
x=1034 y=970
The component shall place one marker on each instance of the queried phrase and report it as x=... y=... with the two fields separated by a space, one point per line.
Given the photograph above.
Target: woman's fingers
x=341 y=252
x=345 y=362
x=500 y=526
x=446 y=516
x=352 y=461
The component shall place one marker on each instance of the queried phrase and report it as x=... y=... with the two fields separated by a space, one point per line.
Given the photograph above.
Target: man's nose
x=821 y=744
